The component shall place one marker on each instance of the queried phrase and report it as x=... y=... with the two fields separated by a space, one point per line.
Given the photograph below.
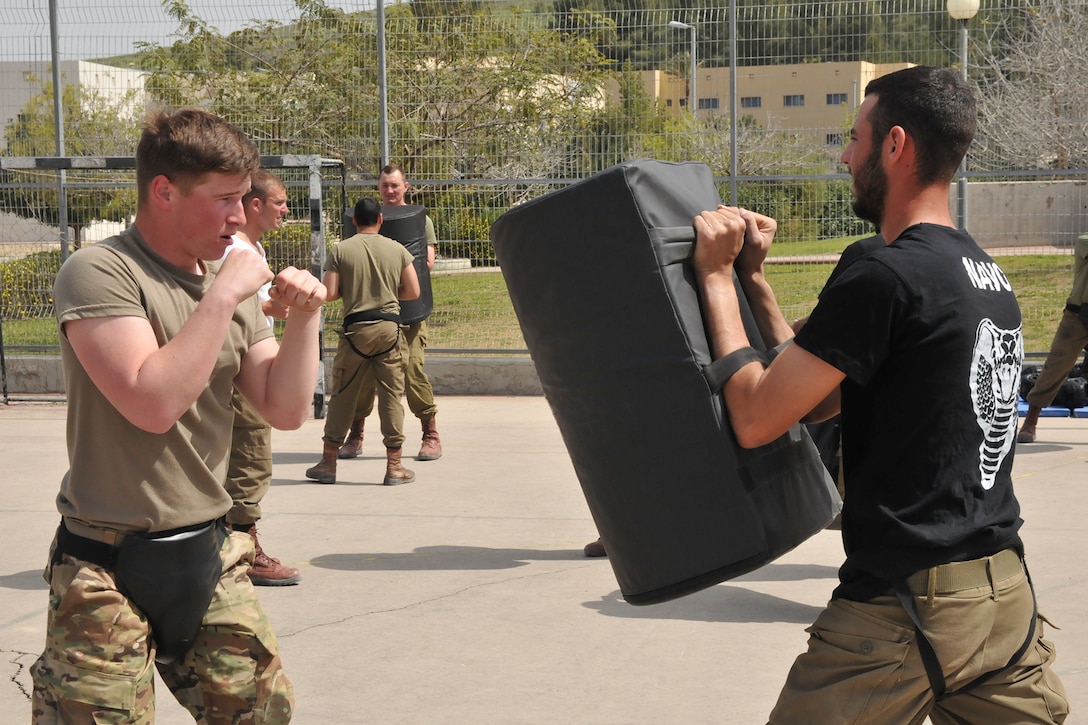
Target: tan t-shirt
x=370 y=267
x=121 y=477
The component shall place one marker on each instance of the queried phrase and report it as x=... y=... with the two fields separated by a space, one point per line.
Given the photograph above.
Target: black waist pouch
x=171 y=579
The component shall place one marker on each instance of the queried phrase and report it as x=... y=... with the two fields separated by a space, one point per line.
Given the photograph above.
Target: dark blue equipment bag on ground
x=599 y=278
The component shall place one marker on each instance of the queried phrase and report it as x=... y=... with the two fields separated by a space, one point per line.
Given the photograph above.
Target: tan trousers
x=249 y=470
x=417 y=386
x=863 y=665
x=1065 y=349
x=350 y=370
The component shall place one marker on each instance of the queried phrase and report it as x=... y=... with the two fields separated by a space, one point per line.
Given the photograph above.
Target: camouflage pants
x=96 y=667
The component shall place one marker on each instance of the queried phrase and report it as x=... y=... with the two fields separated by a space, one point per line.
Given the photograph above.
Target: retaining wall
x=32 y=375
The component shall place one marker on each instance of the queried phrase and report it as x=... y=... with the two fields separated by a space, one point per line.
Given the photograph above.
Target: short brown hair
x=264 y=181
x=185 y=144
x=392 y=169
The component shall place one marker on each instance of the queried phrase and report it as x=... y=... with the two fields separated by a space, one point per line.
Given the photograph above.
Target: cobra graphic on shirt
x=995 y=374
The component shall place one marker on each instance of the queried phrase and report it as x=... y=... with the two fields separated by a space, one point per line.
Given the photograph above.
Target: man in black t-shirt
x=920 y=344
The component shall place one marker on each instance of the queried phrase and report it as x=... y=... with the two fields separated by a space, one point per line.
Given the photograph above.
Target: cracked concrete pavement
x=464 y=597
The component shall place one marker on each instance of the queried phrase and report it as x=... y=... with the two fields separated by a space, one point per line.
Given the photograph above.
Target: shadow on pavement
x=27 y=580
x=721 y=603
x=443 y=558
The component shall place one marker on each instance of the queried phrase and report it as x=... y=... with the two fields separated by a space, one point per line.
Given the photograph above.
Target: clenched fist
x=299 y=289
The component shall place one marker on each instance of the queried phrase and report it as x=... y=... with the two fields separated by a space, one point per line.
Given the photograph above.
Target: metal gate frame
x=314 y=164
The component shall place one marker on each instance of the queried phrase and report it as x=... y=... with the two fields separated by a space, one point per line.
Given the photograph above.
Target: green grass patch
x=813 y=246
x=472 y=310
x=1041 y=283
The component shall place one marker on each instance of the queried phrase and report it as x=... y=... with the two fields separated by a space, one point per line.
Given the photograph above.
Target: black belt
x=369 y=316
x=1070 y=307
x=80 y=547
x=99 y=552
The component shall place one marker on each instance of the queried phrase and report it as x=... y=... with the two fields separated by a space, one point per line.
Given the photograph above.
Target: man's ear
x=897 y=137
x=162 y=190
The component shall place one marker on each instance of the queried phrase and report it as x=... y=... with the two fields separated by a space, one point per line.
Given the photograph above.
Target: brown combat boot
x=1027 y=431
x=325 y=470
x=595 y=548
x=395 y=473
x=353 y=446
x=431 y=450
x=266 y=570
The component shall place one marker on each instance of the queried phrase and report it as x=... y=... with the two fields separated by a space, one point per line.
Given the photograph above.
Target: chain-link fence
x=488 y=104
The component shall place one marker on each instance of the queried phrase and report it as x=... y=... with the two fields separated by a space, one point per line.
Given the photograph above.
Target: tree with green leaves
x=297 y=88
x=472 y=91
x=94 y=125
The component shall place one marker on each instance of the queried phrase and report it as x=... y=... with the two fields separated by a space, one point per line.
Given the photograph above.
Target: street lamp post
x=693 y=101
x=962 y=10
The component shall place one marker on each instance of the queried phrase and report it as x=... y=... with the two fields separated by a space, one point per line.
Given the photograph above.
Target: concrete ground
x=464 y=597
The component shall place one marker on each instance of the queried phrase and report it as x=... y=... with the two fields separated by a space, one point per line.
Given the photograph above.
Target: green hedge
x=26 y=286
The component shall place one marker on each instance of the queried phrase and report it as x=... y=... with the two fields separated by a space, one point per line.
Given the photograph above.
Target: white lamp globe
x=963 y=9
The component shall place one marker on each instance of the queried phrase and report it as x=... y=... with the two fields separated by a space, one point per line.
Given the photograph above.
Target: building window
x=794 y=100
x=836 y=99
x=683 y=101
x=834 y=139
x=708 y=104
x=668 y=103
x=751 y=101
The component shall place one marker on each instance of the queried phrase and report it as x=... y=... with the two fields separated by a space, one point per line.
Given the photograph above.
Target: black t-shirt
x=825 y=434
x=851 y=254
x=927 y=331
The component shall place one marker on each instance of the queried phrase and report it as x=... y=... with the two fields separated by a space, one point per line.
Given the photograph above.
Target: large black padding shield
x=408 y=225
x=599 y=277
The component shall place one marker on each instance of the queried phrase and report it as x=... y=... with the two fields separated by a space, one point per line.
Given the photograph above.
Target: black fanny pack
x=169 y=576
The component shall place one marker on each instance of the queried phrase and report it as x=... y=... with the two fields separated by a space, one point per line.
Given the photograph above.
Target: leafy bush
x=290 y=246
x=26 y=285
x=837 y=218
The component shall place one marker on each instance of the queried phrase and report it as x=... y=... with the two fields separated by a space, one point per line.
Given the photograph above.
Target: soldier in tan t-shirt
x=154 y=337
x=372 y=274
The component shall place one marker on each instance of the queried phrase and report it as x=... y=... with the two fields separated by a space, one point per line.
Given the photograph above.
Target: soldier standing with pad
x=934 y=614
x=392 y=185
x=372 y=274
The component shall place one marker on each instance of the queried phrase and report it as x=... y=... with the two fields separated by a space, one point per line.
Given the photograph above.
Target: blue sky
x=102 y=28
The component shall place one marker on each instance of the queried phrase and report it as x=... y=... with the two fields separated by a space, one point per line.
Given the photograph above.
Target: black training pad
x=408 y=225
x=599 y=278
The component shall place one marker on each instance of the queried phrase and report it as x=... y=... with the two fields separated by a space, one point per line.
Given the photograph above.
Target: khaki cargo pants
x=863 y=664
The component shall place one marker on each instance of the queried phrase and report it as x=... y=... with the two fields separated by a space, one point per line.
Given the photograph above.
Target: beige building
x=816 y=97
x=23 y=79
